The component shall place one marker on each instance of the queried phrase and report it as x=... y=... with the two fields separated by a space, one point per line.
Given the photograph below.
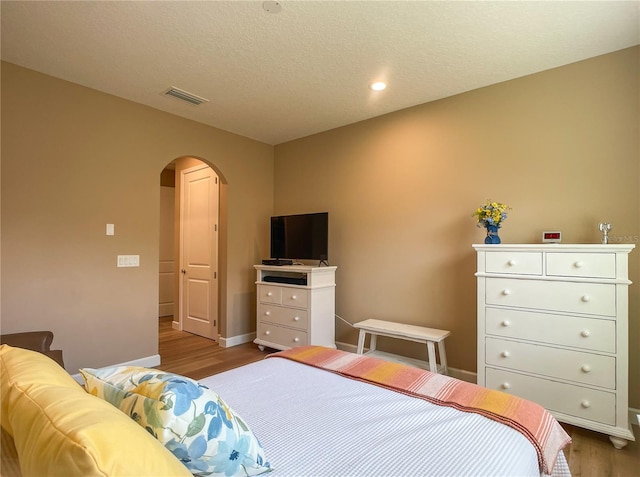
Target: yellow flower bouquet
x=490 y=216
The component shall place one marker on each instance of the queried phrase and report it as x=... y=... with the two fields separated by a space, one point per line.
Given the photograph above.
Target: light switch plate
x=128 y=260
x=110 y=229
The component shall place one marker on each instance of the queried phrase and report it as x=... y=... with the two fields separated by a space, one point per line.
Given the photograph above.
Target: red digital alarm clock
x=552 y=237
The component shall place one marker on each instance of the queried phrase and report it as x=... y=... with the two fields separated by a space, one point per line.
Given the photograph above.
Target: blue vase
x=492 y=235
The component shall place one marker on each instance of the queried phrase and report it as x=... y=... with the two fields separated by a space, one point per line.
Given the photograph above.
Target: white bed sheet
x=316 y=423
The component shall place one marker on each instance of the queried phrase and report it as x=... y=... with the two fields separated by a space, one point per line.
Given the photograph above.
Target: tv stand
x=295 y=306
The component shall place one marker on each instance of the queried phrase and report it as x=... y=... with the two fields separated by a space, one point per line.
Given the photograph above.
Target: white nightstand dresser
x=295 y=306
x=553 y=328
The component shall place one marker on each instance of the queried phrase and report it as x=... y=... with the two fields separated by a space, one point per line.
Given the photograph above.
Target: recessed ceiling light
x=378 y=86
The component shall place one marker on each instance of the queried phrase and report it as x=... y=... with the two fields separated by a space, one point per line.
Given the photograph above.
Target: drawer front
x=578 y=332
x=269 y=294
x=524 y=263
x=576 y=366
x=588 y=265
x=578 y=401
x=297 y=297
x=587 y=298
x=282 y=336
x=279 y=315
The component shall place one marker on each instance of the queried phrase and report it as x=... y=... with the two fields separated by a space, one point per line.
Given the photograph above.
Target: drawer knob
x=506 y=323
x=586 y=368
x=505 y=354
x=585 y=333
x=267 y=313
x=512 y=263
x=296 y=340
x=293 y=297
x=585 y=298
x=296 y=318
x=267 y=332
x=505 y=385
x=269 y=294
x=578 y=264
x=585 y=404
x=506 y=291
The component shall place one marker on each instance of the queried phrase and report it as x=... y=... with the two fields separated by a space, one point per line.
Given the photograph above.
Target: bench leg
x=361 y=338
x=433 y=364
x=373 y=342
x=443 y=358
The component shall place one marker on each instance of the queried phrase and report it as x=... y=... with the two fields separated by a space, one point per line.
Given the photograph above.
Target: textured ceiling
x=278 y=77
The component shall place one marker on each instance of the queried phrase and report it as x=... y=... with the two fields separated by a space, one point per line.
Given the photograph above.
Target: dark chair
x=39 y=341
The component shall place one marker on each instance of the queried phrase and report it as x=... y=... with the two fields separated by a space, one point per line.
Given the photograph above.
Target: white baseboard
x=464 y=375
x=236 y=340
x=634 y=416
x=146 y=362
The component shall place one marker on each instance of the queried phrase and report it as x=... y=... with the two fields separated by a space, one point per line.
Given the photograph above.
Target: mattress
x=313 y=422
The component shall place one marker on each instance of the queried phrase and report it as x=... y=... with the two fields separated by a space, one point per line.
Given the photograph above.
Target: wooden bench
x=419 y=334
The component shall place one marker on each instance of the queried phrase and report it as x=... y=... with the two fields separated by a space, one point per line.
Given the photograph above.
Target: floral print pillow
x=191 y=420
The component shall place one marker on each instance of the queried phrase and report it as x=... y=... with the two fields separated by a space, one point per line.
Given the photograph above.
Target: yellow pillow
x=59 y=429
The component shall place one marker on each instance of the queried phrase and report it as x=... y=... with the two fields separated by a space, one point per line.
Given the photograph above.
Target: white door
x=199 y=251
x=166 y=279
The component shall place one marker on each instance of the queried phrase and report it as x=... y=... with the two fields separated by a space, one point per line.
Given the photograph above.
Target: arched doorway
x=192 y=273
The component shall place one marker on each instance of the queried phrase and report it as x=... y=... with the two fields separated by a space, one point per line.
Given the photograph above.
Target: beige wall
x=73 y=160
x=560 y=147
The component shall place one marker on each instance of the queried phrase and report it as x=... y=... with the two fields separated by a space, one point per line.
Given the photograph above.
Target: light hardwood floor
x=589 y=455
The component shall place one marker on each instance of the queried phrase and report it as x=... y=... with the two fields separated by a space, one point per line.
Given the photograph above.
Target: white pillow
x=191 y=420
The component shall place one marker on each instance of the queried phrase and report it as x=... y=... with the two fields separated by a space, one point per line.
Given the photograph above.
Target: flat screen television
x=300 y=237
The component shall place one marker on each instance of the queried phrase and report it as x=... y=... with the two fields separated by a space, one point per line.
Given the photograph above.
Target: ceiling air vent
x=185 y=96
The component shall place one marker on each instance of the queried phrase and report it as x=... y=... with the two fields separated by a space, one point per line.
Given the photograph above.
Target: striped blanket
x=533 y=421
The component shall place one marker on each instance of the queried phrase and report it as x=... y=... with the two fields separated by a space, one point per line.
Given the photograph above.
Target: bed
x=318 y=422
x=308 y=411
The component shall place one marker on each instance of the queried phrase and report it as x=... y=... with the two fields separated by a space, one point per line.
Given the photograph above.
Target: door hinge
x=215 y=275
x=215 y=322
x=215 y=228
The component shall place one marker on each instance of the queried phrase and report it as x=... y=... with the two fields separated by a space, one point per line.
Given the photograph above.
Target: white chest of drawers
x=553 y=328
x=295 y=306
